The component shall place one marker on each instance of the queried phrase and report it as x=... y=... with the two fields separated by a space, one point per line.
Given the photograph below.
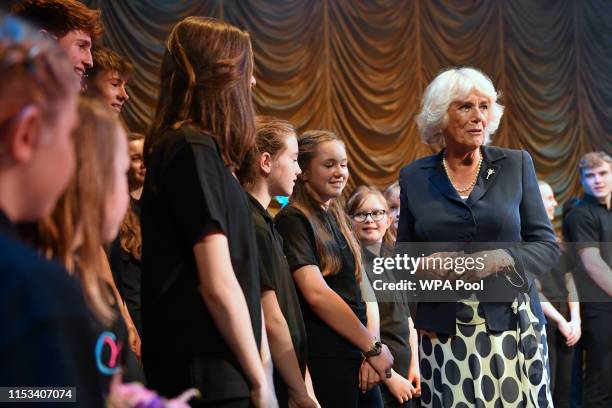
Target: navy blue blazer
x=505 y=206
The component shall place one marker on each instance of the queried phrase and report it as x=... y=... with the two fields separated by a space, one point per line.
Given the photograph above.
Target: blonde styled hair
x=448 y=86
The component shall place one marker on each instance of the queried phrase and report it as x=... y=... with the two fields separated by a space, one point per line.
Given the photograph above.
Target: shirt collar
x=262 y=211
x=588 y=198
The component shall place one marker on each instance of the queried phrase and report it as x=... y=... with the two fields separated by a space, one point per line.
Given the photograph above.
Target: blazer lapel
x=491 y=168
x=438 y=177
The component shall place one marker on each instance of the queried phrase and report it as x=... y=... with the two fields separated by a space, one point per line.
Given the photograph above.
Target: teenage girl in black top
x=372 y=221
x=325 y=260
x=269 y=170
x=201 y=299
x=129 y=248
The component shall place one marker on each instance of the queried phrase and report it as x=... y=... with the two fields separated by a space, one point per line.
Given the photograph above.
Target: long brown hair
x=205 y=82
x=80 y=211
x=270 y=138
x=130 y=236
x=303 y=199
x=356 y=200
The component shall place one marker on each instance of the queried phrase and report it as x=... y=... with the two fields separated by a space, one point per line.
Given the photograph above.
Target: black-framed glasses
x=376 y=215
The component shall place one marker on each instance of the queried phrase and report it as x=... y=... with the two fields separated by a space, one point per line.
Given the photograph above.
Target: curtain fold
x=359 y=67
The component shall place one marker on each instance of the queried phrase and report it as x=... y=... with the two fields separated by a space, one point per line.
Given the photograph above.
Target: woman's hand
x=182 y=401
x=368 y=377
x=575 y=332
x=565 y=328
x=383 y=362
x=494 y=261
x=400 y=388
x=263 y=397
x=301 y=401
x=414 y=377
x=135 y=394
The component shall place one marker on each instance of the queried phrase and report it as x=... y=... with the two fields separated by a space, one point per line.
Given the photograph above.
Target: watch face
x=375 y=350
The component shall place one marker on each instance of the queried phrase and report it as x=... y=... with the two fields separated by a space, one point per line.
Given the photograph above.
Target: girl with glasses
x=372 y=223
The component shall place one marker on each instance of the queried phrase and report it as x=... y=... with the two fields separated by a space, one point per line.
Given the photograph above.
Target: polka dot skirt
x=478 y=369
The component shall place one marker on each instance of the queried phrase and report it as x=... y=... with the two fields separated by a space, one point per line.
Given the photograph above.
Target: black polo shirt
x=553 y=283
x=589 y=224
x=189 y=192
x=300 y=249
x=45 y=339
x=276 y=276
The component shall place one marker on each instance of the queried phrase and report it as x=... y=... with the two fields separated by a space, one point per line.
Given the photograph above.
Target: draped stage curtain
x=359 y=67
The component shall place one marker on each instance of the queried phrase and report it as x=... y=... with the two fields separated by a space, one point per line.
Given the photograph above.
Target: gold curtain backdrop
x=359 y=67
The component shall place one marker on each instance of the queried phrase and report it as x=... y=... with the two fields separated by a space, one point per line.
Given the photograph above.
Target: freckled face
x=328 y=172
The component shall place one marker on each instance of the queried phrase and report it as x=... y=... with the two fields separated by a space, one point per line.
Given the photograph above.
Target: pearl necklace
x=472 y=184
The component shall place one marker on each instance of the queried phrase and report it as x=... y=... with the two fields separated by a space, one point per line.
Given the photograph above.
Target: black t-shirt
x=112 y=350
x=129 y=274
x=589 y=224
x=45 y=339
x=276 y=276
x=300 y=249
x=394 y=313
x=553 y=283
x=189 y=192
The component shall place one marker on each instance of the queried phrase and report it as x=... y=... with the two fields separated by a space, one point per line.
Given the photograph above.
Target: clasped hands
x=374 y=368
x=401 y=388
x=485 y=263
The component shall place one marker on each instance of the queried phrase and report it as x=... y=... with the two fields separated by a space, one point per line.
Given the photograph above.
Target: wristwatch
x=375 y=350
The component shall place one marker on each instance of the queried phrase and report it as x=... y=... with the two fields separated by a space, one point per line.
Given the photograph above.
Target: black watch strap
x=374 y=351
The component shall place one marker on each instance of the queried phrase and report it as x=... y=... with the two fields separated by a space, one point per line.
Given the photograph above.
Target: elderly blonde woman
x=476 y=352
